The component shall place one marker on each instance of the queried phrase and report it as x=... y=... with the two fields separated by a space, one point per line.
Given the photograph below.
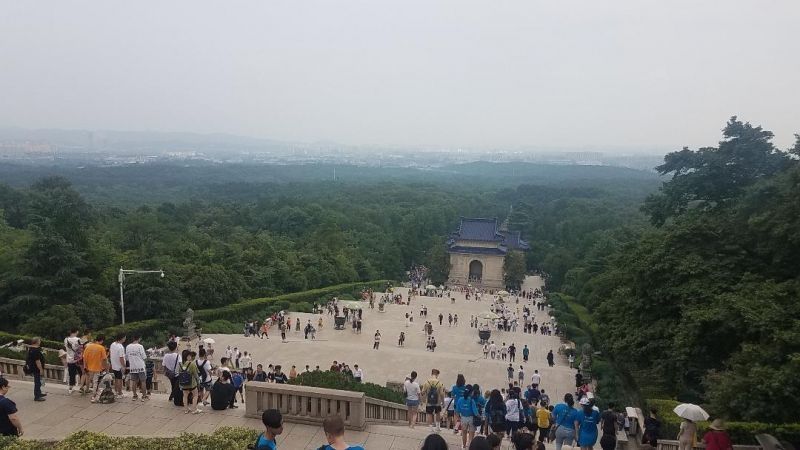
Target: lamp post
x=122 y=273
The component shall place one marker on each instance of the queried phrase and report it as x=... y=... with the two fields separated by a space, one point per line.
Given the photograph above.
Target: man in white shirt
x=171 y=362
x=358 y=374
x=246 y=362
x=536 y=379
x=118 y=363
x=136 y=355
x=71 y=344
x=492 y=350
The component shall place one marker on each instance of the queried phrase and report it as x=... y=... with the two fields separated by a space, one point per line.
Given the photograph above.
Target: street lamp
x=122 y=273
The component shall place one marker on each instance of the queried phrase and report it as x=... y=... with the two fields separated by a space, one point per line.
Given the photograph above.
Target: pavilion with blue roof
x=478 y=250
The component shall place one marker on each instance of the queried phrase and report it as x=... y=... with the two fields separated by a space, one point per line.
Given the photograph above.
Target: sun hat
x=585 y=401
x=717 y=425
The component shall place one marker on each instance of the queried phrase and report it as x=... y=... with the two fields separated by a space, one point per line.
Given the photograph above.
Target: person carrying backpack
x=433 y=392
x=188 y=380
x=204 y=374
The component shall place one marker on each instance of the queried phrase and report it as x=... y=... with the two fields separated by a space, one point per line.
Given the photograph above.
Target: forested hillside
x=703 y=306
x=221 y=242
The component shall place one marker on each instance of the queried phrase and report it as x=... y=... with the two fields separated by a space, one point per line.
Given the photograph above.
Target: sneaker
x=69 y=391
x=93 y=400
x=135 y=397
x=118 y=396
x=144 y=398
x=197 y=411
x=39 y=399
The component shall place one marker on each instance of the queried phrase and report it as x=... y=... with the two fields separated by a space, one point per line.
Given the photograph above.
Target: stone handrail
x=303 y=404
x=12 y=368
x=668 y=444
x=382 y=411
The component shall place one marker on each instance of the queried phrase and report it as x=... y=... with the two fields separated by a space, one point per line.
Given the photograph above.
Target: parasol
x=209 y=341
x=350 y=304
x=691 y=411
x=488 y=315
x=430 y=287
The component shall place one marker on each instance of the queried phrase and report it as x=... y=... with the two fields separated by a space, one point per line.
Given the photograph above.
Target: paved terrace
x=458 y=352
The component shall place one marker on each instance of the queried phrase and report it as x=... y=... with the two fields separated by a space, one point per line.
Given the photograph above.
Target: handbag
x=551 y=436
x=171 y=373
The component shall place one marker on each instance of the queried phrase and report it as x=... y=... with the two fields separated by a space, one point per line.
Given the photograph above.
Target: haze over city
x=630 y=76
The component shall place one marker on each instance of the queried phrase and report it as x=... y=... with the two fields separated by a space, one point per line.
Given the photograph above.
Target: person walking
x=117 y=351
x=515 y=416
x=525 y=353
x=35 y=362
x=686 y=435
x=543 y=421
x=95 y=358
x=72 y=344
x=608 y=423
x=412 y=391
x=468 y=411
x=716 y=438
x=496 y=413
x=565 y=419
x=588 y=419
x=433 y=393
x=135 y=355
x=485 y=351
x=188 y=380
x=377 y=340
x=536 y=379
x=652 y=429
x=204 y=377
x=550 y=358
x=10 y=423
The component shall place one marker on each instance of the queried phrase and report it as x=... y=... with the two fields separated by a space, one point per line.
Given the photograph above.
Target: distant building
x=478 y=250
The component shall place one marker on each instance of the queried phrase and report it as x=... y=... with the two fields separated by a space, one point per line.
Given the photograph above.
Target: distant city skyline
x=626 y=76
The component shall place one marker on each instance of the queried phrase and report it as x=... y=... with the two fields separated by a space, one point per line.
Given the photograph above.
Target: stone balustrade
x=667 y=444
x=302 y=404
x=12 y=368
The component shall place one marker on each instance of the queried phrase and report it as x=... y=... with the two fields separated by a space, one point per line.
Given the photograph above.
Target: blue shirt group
x=466 y=407
x=565 y=416
x=587 y=436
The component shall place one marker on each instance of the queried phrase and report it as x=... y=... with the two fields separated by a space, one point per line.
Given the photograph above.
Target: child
x=450 y=405
x=238 y=383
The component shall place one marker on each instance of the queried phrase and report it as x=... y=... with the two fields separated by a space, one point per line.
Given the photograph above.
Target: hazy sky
x=500 y=73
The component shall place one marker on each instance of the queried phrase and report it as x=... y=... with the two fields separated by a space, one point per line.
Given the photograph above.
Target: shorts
x=117 y=374
x=467 y=424
x=137 y=377
x=435 y=409
x=412 y=403
x=451 y=413
x=205 y=386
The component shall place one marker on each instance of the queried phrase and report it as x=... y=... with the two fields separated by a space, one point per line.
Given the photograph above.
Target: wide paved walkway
x=457 y=351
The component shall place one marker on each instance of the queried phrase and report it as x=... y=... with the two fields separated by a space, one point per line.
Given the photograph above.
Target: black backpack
x=184 y=378
x=433 y=394
x=202 y=369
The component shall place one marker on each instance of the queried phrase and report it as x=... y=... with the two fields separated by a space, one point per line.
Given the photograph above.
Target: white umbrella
x=430 y=287
x=488 y=315
x=351 y=304
x=502 y=293
x=209 y=341
x=691 y=411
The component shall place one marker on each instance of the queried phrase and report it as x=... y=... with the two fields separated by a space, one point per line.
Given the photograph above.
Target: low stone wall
x=667 y=444
x=12 y=369
x=303 y=404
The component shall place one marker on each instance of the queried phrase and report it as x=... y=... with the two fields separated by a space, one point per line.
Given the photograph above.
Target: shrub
x=337 y=380
x=222 y=438
x=220 y=327
x=50 y=356
x=8 y=337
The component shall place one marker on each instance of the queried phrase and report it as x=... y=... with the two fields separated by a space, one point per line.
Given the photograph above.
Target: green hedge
x=222 y=438
x=742 y=433
x=50 y=356
x=337 y=380
x=8 y=337
x=254 y=308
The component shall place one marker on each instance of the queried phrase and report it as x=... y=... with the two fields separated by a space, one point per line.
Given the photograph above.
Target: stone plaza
x=458 y=351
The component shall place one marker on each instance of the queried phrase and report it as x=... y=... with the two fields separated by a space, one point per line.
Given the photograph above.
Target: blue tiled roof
x=485 y=230
x=478 y=230
x=500 y=251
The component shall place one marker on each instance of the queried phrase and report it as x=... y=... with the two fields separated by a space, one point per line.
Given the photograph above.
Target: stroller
x=106 y=383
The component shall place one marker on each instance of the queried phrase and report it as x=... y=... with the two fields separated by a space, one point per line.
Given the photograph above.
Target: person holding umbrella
x=690 y=413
